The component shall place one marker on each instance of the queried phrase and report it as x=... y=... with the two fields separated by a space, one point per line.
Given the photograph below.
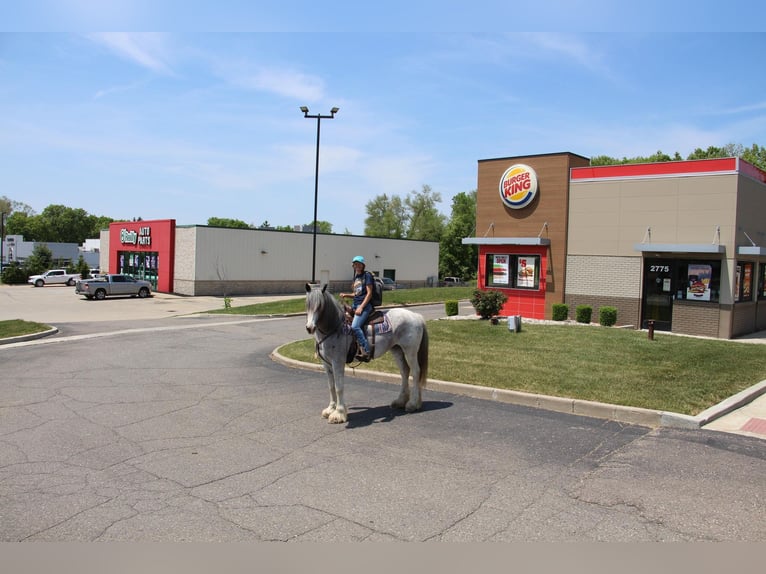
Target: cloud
x=281 y=81
x=146 y=50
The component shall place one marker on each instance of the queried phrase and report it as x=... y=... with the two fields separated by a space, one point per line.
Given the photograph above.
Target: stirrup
x=362 y=356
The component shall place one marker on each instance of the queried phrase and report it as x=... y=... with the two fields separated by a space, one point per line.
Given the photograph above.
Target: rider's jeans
x=356 y=327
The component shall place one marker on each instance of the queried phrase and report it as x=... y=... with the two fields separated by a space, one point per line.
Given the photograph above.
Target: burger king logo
x=518 y=186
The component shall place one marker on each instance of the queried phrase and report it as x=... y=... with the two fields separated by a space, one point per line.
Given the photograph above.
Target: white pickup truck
x=54 y=277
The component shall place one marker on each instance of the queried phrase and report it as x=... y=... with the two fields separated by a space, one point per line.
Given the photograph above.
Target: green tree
x=385 y=217
x=20 y=223
x=322 y=226
x=225 y=222
x=456 y=259
x=755 y=155
x=425 y=221
x=62 y=224
x=41 y=260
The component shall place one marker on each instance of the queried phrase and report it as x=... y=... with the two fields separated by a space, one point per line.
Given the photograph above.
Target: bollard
x=651 y=329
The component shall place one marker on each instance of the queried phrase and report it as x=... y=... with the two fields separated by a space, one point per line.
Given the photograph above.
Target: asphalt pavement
x=744 y=413
x=171 y=426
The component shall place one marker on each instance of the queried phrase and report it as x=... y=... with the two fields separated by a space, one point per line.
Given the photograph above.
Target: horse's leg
x=415 y=399
x=404 y=369
x=338 y=414
x=333 y=396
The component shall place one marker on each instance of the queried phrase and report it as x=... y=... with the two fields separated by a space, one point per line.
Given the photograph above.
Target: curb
x=31 y=337
x=628 y=415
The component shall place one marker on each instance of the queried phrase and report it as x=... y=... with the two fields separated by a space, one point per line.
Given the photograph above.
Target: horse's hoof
x=336 y=419
x=412 y=407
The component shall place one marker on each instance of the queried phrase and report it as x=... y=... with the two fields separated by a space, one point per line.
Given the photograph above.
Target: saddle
x=375 y=317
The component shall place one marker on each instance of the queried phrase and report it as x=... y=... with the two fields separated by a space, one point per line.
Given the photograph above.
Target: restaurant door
x=657 y=296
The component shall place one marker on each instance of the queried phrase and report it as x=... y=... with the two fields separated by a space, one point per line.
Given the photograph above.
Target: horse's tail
x=423 y=358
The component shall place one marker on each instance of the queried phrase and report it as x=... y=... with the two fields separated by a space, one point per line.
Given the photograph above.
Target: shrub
x=560 y=311
x=583 y=313
x=488 y=303
x=451 y=308
x=607 y=316
x=14 y=274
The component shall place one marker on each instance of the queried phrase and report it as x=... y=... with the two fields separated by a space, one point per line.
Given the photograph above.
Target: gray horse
x=402 y=332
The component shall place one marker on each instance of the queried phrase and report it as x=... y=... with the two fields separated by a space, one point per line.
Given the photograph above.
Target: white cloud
x=146 y=50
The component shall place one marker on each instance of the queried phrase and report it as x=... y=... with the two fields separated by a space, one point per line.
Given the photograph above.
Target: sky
x=201 y=118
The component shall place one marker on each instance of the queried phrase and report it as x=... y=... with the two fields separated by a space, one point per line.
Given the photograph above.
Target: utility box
x=514 y=323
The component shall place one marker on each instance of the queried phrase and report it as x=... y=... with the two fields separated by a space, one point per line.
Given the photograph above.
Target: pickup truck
x=54 y=277
x=113 y=285
x=453 y=282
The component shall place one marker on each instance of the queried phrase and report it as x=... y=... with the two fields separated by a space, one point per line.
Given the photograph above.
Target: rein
x=328 y=334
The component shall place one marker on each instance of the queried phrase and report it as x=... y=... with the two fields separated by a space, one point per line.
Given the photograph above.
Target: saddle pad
x=382 y=327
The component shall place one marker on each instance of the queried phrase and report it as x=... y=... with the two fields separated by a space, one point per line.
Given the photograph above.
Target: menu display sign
x=698 y=282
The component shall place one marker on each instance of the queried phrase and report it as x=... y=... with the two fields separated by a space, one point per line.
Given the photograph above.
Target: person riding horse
x=361 y=287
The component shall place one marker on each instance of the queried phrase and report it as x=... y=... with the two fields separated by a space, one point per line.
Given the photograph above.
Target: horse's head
x=315 y=302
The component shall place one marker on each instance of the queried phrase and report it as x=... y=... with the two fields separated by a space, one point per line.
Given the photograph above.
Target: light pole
x=2 y=241
x=319 y=118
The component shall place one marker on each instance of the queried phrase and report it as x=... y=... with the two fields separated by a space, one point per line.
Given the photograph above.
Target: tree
x=456 y=259
x=425 y=221
x=322 y=227
x=385 y=217
x=224 y=222
x=755 y=155
x=62 y=224
x=41 y=260
x=9 y=206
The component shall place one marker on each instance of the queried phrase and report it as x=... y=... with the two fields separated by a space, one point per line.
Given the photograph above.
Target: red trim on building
x=690 y=167
x=158 y=236
x=525 y=302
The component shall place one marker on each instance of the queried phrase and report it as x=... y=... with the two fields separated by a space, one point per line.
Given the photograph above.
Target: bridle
x=329 y=333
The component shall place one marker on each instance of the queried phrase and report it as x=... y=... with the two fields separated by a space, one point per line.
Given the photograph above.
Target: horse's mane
x=329 y=310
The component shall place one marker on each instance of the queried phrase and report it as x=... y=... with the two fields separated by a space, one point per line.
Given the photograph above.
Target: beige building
x=202 y=260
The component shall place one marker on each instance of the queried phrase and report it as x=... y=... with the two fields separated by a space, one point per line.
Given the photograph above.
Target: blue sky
x=190 y=124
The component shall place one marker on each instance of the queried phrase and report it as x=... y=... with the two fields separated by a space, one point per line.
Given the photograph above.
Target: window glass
x=513 y=271
x=698 y=280
x=743 y=282
x=762 y=282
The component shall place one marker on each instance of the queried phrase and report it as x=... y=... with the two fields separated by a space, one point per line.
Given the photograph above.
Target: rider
x=362 y=294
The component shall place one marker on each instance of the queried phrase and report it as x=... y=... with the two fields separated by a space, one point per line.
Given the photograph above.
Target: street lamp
x=319 y=118
x=2 y=240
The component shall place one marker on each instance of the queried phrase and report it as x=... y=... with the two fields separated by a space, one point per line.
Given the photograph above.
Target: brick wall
x=701 y=319
x=627 y=309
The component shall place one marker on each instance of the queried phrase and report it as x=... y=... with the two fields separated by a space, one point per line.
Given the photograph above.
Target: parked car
x=389 y=284
x=113 y=284
x=453 y=282
x=54 y=277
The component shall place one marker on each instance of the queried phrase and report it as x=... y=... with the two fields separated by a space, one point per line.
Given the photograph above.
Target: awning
x=680 y=247
x=506 y=241
x=751 y=250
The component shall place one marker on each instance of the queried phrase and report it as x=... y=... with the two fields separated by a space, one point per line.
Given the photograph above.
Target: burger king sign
x=518 y=186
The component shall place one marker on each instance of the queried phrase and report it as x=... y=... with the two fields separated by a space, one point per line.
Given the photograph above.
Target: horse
x=403 y=333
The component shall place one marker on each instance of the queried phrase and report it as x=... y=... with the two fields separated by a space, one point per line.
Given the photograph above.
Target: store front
x=521 y=212
x=679 y=244
x=144 y=250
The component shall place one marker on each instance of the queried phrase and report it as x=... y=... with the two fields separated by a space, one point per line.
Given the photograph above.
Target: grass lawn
x=618 y=366
x=17 y=327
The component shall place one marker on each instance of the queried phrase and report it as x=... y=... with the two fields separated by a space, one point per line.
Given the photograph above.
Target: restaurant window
x=762 y=281
x=513 y=271
x=743 y=282
x=698 y=280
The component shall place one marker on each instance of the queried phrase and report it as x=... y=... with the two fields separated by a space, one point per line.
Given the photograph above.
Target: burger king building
x=681 y=244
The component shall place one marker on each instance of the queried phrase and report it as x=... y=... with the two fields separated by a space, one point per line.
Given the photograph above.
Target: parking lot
x=59 y=304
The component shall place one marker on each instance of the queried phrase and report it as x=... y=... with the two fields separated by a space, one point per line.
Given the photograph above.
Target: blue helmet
x=358 y=259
